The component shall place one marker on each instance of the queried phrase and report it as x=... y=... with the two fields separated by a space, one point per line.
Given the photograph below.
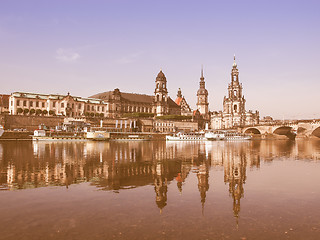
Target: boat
x=227 y=136
x=186 y=137
x=41 y=135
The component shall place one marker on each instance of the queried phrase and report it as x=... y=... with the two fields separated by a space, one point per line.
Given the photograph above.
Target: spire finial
x=201 y=70
x=234 y=61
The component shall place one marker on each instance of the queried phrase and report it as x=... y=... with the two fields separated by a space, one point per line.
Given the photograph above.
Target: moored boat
x=186 y=137
x=227 y=136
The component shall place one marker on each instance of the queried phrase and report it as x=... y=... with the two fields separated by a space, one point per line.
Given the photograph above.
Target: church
x=234 y=113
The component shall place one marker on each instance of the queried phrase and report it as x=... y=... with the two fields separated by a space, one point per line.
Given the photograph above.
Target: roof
x=55 y=97
x=134 y=97
x=178 y=101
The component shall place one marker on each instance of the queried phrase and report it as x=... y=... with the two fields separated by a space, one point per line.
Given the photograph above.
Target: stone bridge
x=302 y=129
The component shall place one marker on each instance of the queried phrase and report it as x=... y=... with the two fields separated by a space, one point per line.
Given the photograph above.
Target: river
x=160 y=190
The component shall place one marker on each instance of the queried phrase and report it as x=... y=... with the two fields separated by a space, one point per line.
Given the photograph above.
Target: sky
x=88 y=47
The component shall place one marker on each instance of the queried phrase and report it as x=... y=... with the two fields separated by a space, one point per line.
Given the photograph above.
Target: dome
x=161 y=76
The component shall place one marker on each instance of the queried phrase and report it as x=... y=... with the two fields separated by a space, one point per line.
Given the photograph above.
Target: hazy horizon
x=86 y=48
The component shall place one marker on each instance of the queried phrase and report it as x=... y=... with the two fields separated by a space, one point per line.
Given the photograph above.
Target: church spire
x=234 y=61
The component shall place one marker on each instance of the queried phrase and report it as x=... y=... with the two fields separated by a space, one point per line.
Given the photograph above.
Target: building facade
x=234 y=113
x=54 y=104
x=182 y=102
x=158 y=104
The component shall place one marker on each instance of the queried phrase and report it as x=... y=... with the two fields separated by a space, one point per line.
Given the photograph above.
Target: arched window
x=235 y=108
x=158 y=98
x=164 y=85
x=235 y=93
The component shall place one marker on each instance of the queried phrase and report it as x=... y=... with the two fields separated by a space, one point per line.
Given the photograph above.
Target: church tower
x=161 y=95
x=234 y=104
x=202 y=97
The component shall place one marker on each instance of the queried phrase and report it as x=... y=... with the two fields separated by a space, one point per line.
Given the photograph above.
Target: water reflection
x=115 y=166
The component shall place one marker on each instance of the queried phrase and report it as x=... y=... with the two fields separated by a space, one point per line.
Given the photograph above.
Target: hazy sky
x=87 y=47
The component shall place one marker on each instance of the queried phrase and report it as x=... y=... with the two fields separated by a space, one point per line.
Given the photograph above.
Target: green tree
x=51 y=112
x=25 y=111
x=19 y=110
x=44 y=112
x=102 y=115
x=92 y=114
x=97 y=114
x=38 y=111
x=87 y=114
x=32 y=111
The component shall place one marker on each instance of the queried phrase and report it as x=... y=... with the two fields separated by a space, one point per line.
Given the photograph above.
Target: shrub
x=174 y=117
x=92 y=114
x=51 y=112
x=38 y=111
x=44 y=112
x=32 y=111
x=19 y=110
x=25 y=111
x=87 y=114
x=137 y=115
x=102 y=115
x=97 y=114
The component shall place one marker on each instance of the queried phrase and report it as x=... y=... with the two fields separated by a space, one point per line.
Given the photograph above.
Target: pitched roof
x=178 y=100
x=134 y=97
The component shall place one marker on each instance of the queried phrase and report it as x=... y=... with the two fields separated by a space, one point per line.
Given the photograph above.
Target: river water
x=160 y=190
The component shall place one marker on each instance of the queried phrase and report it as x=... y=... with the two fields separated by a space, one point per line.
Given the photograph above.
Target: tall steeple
x=161 y=95
x=202 y=95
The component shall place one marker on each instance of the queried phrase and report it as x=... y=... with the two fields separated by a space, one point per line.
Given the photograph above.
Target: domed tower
x=161 y=95
x=202 y=97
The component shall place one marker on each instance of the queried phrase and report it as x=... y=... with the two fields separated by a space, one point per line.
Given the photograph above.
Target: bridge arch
x=252 y=131
x=316 y=132
x=285 y=130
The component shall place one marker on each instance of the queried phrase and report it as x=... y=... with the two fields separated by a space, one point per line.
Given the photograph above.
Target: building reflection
x=115 y=166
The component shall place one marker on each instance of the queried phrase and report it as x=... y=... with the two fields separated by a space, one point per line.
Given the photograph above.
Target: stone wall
x=30 y=123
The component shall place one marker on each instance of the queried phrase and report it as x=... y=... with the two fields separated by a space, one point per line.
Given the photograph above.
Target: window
x=79 y=105
x=31 y=104
x=92 y=108
x=62 y=105
x=24 y=103
x=102 y=109
x=18 y=102
x=88 y=108
x=43 y=104
x=54 y=104
x=235 y=108
x=37 y=104
x=72 y=105
x=98 y=108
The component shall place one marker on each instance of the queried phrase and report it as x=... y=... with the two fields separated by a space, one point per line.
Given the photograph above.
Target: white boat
x=227 y=136
x=186 y=137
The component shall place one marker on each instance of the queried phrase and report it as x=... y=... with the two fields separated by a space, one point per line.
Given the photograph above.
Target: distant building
x=234 y=113
x=202 y=97
x=55 y=104
x=159 y=104
x=182 y=102
x=4 y=103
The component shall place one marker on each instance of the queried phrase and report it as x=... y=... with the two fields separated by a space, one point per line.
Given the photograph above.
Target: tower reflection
x=116 y=166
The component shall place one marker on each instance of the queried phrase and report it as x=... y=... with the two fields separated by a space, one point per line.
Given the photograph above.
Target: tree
x=51 y=112
x=38 y=111
x=32 y=111
x=19 y=110
x=92 y=114
x=97 y=114
x=44 y=112
x=87 y=114
x=25 y=111
x=102 y=115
